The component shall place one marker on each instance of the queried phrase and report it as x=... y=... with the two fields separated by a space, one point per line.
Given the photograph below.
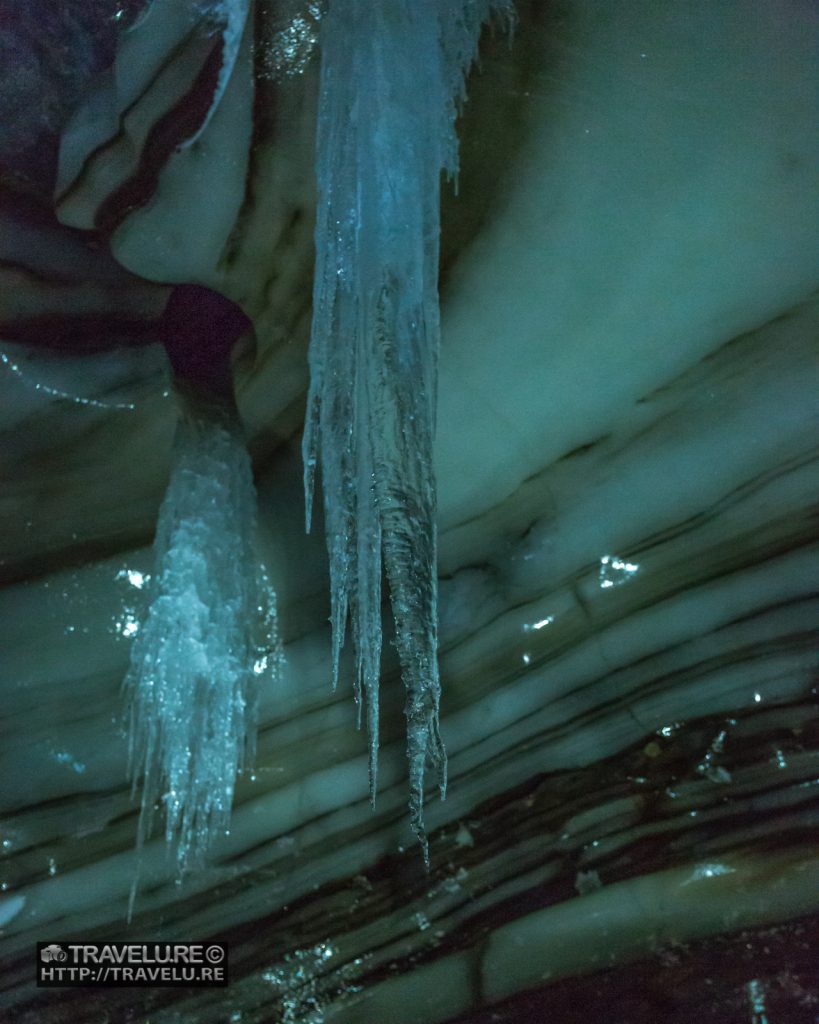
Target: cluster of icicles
x=392 y=77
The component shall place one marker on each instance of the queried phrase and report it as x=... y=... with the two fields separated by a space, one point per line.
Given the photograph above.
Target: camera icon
x=53 y=954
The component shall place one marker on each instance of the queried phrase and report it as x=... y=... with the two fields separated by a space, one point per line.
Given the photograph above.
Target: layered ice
x=209 y=637
x=228 y=18
x=392 y=75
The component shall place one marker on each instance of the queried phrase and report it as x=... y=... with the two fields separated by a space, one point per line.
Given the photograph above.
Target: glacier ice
x=209 y=634
x=392 y=76
x=228 y=18
x=231 y=16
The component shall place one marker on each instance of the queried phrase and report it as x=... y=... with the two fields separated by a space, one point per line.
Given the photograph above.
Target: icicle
x=392 y=74
x=209 y=634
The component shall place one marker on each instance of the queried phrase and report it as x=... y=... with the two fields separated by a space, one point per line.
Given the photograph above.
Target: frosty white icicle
x=210 y=632
x=392 y=74
x=192 y=683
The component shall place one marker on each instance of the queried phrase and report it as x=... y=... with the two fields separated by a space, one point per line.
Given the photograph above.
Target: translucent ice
x=392 y=74
x=209 y=634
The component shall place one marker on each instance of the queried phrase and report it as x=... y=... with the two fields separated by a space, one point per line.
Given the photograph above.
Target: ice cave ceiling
x=627 y=476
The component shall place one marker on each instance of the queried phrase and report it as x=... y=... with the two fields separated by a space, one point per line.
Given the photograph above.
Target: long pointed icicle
x=210 y=632
x=392 y=75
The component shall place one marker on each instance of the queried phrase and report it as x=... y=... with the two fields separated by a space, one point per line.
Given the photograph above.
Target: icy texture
x=227 y=17
x=392 y=75
x=233 y=15
x=209 y=635
x=292 y=38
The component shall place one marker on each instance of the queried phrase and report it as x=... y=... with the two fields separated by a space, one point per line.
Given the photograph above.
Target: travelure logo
x=139 y=964
x=53 y=953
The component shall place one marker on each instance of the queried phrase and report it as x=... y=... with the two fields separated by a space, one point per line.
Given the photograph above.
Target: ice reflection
x=614 y=571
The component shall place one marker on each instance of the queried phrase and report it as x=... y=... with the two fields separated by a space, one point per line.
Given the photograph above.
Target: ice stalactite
x=209 y=635
x=392 y=75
